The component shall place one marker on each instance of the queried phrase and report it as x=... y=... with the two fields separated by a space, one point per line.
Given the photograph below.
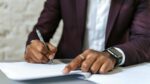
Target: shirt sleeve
x=123 y=55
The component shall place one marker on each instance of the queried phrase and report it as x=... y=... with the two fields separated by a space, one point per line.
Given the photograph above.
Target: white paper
x=26 y=71
x=137 y=74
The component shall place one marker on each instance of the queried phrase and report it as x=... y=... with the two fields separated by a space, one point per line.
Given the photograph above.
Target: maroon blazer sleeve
x=48 y=21
x=137 y=49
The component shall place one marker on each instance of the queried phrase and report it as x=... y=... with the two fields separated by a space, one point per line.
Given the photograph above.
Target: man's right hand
x=36 y=52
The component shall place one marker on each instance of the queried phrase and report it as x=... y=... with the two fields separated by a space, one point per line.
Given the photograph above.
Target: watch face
x=115 y=52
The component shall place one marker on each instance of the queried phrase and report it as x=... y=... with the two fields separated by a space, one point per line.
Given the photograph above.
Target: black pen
x=42 y=40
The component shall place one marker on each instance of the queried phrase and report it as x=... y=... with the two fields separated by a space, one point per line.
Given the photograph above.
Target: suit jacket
x=128 y=27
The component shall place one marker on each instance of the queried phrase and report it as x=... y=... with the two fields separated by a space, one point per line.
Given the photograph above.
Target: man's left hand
x=92 y=61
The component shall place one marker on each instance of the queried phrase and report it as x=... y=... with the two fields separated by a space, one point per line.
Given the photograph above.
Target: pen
x=42 y=40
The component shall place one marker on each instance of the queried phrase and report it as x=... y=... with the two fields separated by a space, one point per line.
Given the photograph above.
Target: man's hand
x=36 y=52
x=92 y=61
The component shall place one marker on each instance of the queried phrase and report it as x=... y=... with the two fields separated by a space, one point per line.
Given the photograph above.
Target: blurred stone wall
x=17 y=18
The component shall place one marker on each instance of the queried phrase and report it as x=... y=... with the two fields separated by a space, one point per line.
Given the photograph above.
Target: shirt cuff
x=123 y=55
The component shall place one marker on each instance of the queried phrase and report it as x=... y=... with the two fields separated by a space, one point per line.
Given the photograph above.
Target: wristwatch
x=115 y=54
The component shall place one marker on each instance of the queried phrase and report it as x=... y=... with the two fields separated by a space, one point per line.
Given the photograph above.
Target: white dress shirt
x=97 y=17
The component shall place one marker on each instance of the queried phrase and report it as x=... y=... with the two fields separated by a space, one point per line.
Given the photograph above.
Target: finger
x=105 y=67
x=86 y=52
x=26 y=57
x=34 y=55
x=28 y=54
x=51 y=56
x=25 y=54
x=74 y=64
x=39 y=46
x=29 y=59
x=88 y=62
x=52 y=48
x=39 y=57
x=52 y=51
x=31 y=55
x=96 y=65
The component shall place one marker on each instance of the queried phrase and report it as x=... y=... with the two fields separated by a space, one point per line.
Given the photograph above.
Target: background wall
x=17 y=18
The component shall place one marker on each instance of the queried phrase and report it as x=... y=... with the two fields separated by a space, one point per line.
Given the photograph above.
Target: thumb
x=52 y=48
x=52 y=51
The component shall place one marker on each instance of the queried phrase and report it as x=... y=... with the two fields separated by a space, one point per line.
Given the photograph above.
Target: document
x=28 y=71
x=136 y=74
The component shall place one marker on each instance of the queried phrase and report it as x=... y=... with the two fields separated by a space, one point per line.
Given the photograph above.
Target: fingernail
x=51 y=56
x=65 y=71
x=102 y=71
x=32 y=41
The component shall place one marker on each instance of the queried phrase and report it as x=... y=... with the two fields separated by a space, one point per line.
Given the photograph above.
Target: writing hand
x=36 y=52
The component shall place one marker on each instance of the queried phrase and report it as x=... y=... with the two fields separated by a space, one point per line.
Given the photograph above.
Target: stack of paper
x=137 y=74
x=28 y=71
